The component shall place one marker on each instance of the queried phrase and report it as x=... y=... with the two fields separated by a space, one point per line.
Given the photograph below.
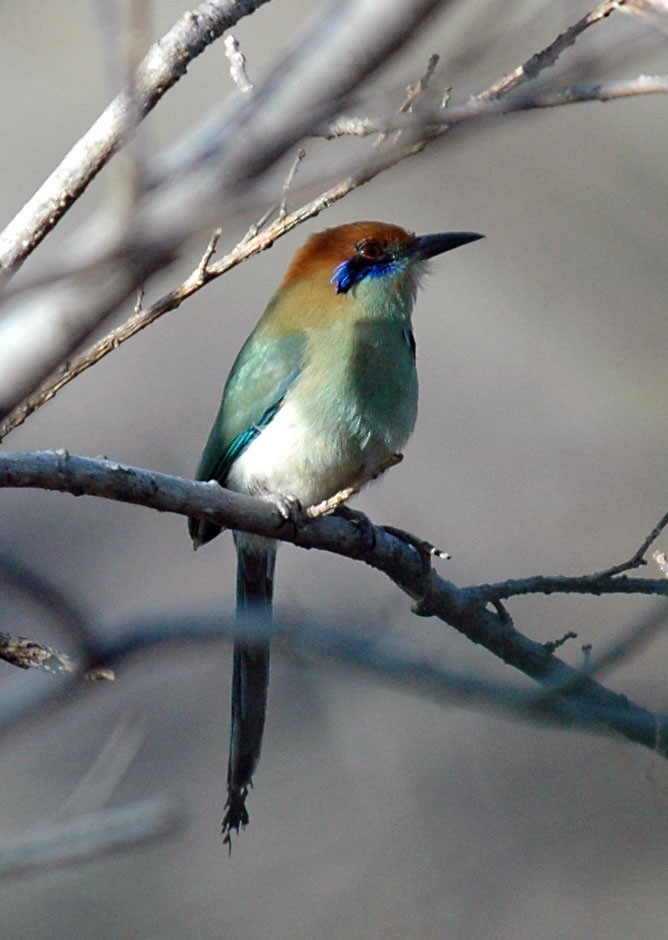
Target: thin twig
x=237 y=61
x=287 y=185
x=439 y=120
x=637 y=560
x=413 y=92
x=548 y=57
x=631 y=640
x=200 y=276
x=202 y=269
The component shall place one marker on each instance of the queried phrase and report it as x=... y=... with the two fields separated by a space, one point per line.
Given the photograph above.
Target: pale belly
x=288 y=460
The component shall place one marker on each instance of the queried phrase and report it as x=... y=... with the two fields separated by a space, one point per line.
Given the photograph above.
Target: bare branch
x=548 y=57
x=578 y=702
x=637 y=560
x=287 y=185
x=399 y=558
x=30 y=654
x=88 y=836
x=217 y=166
x=606 y=581
x=237 y=62
x=480 y=109
x=424 y=126
x=27 y=654
x=165 y=63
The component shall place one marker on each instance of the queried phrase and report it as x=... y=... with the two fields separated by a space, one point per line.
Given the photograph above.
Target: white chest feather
x=288 y=458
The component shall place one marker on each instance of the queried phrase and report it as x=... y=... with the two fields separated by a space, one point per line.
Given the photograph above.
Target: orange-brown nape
x=325 y=250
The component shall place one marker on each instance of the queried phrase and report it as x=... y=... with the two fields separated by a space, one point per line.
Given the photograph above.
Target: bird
x=321 y=399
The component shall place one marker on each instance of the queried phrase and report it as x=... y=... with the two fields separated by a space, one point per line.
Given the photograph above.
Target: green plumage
x=320 y=399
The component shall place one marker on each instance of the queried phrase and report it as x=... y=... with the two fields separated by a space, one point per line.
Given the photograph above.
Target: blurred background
x=539 y=450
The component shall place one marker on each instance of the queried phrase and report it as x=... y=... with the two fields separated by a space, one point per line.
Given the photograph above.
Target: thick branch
x=400 y=558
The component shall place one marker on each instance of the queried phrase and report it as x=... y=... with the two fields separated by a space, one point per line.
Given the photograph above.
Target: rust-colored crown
x=325 y=250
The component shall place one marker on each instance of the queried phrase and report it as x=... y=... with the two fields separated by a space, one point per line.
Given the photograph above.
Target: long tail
x=250 y=678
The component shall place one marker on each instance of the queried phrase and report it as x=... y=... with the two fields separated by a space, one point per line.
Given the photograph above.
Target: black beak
x=426 y=246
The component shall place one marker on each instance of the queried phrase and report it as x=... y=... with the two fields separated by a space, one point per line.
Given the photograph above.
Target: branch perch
x=465 y=609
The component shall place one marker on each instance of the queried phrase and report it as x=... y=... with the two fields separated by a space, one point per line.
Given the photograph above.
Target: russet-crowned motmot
x=321 y=398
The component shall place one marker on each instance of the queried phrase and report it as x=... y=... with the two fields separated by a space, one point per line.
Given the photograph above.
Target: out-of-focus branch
x=200 y=276
x=36 y=590
x=479 y=109
x=88 y=836
x=417 y=130
x=403 y=558
x=166 y=62
x=548 y=57
x=576 y=701
x=211 y=168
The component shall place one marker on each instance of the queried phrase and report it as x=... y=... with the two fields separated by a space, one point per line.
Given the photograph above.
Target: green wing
x=263 y=372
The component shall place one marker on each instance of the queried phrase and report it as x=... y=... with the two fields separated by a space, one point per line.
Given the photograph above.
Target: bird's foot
x=290 y=510
x=334 y=502
x=288 y=506
x=364 y=525
x=422 y=606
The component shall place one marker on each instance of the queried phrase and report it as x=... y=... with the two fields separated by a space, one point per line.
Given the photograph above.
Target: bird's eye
x=371 y=249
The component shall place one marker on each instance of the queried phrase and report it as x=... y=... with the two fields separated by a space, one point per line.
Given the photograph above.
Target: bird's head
x=374 y=263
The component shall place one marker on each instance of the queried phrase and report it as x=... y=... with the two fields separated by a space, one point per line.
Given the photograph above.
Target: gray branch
x=89 y=835
x=403 y=558
x=216 y=167
x=165 y=63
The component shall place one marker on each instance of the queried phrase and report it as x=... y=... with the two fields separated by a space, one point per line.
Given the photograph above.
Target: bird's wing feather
x=263 y=373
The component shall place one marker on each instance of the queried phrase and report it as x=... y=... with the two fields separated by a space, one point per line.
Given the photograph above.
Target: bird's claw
x=335 y=502
x=364 y=525
x=290 y=510
x=332 y=504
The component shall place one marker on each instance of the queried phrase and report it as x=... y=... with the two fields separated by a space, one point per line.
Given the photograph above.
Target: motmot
x=320 y=400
